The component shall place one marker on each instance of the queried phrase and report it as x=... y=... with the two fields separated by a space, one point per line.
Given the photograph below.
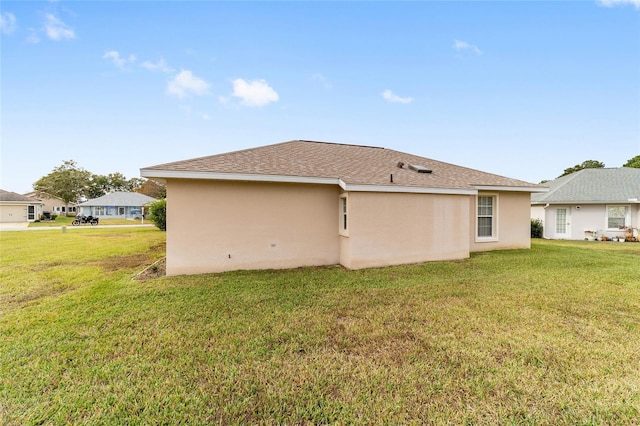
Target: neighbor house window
x=617 y=216
x=486 y=216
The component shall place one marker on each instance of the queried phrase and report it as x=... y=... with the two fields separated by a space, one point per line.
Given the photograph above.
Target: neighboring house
x=305 y=203
x=589 y=203
x=15 y=207
x=53 y=204
x=116 y=205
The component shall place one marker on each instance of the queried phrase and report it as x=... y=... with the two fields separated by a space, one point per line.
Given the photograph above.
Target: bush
x=536 y=228
x=159 y=214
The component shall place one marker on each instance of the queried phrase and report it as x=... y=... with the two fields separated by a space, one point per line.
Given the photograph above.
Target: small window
x=617 y=216
x=486 y=217
x=344 y=214
x=343 y=226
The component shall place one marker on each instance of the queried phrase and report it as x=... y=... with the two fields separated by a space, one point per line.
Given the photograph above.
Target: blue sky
x=520 y=89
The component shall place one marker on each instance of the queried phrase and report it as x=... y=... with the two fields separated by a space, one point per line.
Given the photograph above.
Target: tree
x=589 y=164
x=159 y=214
x=152 y=189
x=67 y=182
x=100 y=185
x=633 y=162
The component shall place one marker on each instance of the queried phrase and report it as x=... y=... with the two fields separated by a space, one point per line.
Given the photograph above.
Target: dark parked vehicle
x=85 y=219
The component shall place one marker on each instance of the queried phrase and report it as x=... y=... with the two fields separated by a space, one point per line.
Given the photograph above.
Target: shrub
x=159 y=214
x=536 y=228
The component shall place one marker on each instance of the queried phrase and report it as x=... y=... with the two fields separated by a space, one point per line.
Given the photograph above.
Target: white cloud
x=185 y=83
x=56 y=29
x=117 y=60
x=254 y=93
x=611 y=3
x=7 y=22
x=389 y=96
x=460 y=46
x=161 y=65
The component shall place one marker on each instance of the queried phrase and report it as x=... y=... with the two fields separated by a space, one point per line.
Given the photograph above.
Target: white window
x=486 y=217
x=617 y=217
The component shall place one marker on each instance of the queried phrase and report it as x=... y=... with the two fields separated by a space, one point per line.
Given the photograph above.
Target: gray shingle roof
x=593 y=186
x=353 y=164
x=121 y=199
x=13 y=197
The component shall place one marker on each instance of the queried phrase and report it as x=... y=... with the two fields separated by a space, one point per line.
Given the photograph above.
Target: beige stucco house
x=53 y=205
x=305 y=203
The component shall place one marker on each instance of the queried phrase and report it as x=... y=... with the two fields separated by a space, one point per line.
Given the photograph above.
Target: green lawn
x=549 y=335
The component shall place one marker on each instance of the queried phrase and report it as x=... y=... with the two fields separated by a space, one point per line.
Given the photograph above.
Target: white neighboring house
x=117 y=205
x=590 y=203
x=15 y=207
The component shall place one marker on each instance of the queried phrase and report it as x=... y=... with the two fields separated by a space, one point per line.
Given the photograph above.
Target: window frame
x=343 y=215
x=494 y=218
x=627 y=216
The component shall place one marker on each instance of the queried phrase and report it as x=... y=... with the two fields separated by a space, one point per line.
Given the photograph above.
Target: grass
x=549 y=335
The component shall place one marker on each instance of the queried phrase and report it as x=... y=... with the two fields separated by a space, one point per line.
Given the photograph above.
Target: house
x=15 y=207
x=306 y=203
x=53 y=204
x=116 y=205
x=589 y=203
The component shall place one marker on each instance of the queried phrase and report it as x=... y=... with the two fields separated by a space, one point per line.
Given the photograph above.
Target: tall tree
x=152 y=189
x=633 y=162
x=589 y=164
x=67 y=182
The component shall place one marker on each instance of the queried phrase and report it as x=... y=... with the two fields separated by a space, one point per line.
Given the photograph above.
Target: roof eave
x=249 y=177
x=511 y=188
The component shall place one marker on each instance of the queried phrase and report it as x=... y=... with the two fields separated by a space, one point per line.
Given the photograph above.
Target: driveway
x=13 y=226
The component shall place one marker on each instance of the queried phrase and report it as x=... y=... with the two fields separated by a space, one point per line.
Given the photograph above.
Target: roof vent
x=419 y=169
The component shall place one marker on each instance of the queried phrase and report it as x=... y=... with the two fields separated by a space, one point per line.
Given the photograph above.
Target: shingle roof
x=120 y=199
x=13 y=197
x=593 y=186
x=352 y=164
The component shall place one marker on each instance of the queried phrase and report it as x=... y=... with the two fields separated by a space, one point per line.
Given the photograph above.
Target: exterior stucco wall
x=215 y=226
x=513 y=222
x=586 y=217
x=391 y=228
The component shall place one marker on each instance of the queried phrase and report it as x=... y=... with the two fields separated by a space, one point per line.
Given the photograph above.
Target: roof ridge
x=569 y=178
x=338 y=143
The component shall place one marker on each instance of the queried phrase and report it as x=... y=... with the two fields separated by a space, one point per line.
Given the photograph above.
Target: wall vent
x=419 y=169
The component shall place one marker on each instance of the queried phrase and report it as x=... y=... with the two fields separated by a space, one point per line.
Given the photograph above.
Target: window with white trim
x=486 y=217
x=617 y=217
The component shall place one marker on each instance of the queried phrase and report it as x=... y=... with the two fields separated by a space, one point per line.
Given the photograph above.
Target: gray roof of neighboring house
x=14 y=197
x=121 y=199
x=593 y=186
x=353 y=165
